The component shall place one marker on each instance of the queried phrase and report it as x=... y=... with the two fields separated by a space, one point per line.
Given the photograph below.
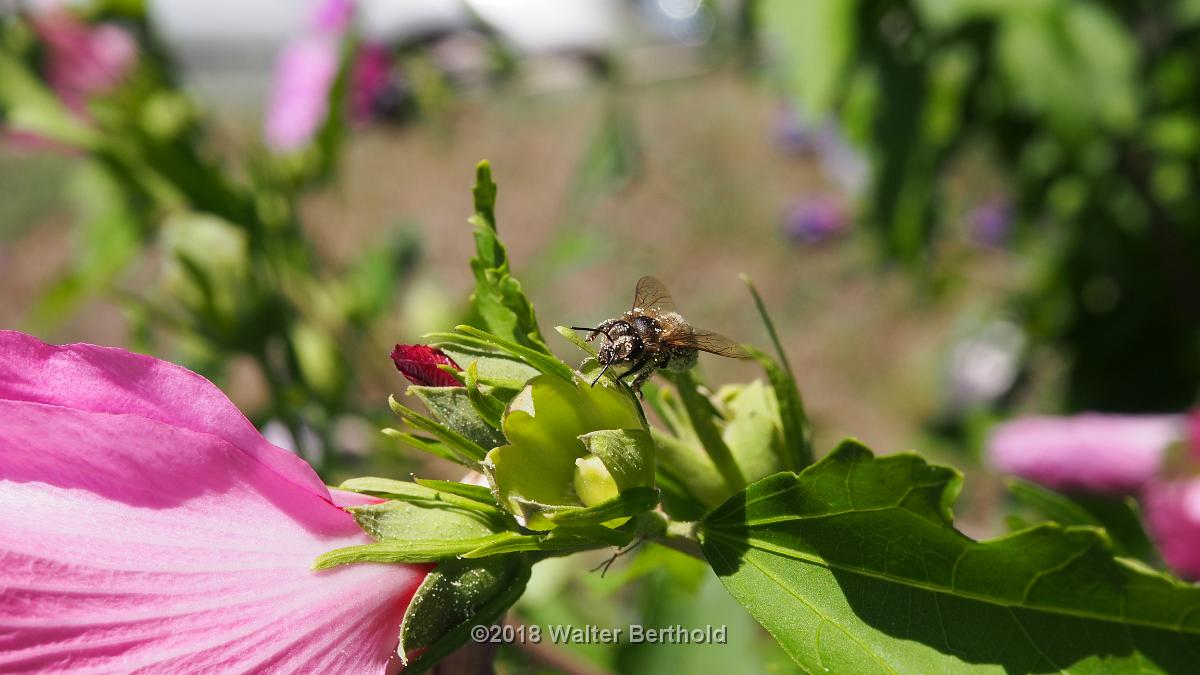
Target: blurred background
x=958 y=211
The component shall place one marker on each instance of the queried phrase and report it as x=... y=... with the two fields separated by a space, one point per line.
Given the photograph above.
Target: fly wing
x=713 y=343
x=652 y=294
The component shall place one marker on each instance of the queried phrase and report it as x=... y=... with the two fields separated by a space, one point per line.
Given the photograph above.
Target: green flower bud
x=549 y=425
x=593 y=483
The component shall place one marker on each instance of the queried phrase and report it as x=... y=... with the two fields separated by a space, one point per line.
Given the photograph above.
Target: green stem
x=682 y=537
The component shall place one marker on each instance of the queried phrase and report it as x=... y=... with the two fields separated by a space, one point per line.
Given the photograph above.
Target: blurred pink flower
x=1092 y=452
x=299 y=102
x=304 y=78
x=371 y=80
x=333 y=16
x=83 y=60
x=1172 y=511
x=145 y=524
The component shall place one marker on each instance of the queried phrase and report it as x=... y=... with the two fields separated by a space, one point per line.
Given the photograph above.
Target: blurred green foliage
x=231 y=272
x=1090 y=114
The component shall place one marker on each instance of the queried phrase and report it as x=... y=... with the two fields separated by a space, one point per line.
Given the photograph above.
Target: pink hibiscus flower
x=1094 y=453
x=145 y=524
x=1114 y=454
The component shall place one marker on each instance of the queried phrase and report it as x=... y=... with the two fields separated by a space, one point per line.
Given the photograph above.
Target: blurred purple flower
x=793 y=135
x=1091 y=452
x=83 y=60
x=300 y=97
x=989 y=223
x=816 y=218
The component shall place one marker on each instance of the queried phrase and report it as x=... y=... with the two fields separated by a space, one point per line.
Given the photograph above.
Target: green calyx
x=570 y=446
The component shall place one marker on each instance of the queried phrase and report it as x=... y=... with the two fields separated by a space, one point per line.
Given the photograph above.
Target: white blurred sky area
x=228 y=47
x=530 y=25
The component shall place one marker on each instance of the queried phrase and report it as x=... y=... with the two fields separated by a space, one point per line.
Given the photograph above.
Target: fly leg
x=641 y=372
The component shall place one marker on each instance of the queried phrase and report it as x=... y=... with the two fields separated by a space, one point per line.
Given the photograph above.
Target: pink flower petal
x=103 y=379
x=1102 y=453
x=131 y=542
x=419 y=363
x=1173 y=518
x=300 y=97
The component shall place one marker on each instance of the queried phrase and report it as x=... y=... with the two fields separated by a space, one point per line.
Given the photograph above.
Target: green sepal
x=452 y=372
x=580 y=538
x=403 y=551
x=497 y=370
x=573 y=337
x=428 y=520
x=455 y=407
x=468 y=452
x=429 y=445
x=490 y=408
x=543 y=362
x=476 y=493
x=454 y=598
x=630 y=502
x=428 y=493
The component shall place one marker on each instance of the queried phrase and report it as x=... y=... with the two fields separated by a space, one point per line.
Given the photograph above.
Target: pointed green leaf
x=797 y=443
x=498 y=296
x=489 y=408
x=854 y=566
